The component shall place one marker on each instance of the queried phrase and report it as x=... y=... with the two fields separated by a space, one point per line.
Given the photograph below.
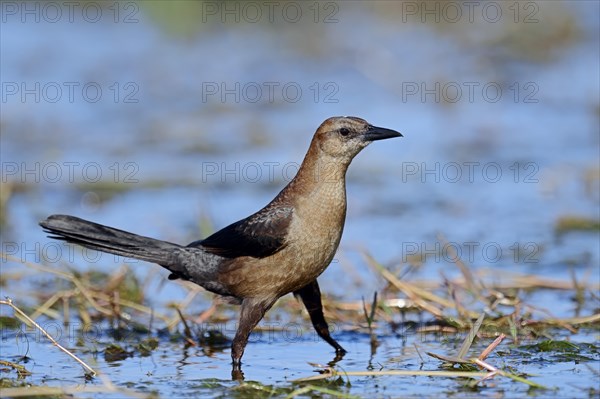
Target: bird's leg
x=311 y=297
x=252 y=312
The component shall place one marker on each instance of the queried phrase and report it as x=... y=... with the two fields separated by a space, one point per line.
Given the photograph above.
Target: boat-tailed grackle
x=280 y=249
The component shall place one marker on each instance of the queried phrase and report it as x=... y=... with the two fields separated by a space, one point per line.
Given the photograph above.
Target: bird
x=282 y=248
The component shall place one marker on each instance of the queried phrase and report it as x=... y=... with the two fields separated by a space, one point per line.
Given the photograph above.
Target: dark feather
x=259 y=235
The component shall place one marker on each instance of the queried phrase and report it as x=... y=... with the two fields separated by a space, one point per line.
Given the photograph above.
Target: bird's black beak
x=379 y=133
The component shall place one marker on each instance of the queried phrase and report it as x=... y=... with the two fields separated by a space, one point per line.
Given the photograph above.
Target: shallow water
x=492 y=177
x=275 y=359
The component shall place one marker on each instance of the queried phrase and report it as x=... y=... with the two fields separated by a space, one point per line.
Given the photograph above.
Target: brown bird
x=280 y=249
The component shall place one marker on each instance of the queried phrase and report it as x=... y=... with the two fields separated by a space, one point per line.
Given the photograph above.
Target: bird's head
x=342 y=138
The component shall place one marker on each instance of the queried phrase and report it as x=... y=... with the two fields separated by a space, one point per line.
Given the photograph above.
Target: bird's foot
x=339 y=355
x=236 y=370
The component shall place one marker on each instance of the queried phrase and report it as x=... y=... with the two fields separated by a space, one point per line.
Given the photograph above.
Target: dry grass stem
x=486 y=352
x=329 y=372
x=470 y=337
x=9 y=302
x=472 y=285
x=186 y=328
x=417 y=295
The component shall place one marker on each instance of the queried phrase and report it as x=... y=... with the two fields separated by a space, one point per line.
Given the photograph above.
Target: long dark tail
x=107 y=239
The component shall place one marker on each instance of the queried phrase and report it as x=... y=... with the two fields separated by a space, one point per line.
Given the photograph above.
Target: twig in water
x=460 y=358
x=470 y=337
x=9 y=302
x=405 y=373
x=491 y=347
x=21 y=371
x=370 y=317
x=494 y=371
x=186 y=328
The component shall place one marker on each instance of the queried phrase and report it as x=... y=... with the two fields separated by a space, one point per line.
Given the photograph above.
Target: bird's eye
x=344 y=131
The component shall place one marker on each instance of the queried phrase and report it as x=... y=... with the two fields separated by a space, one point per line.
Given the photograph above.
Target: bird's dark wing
x=259 y=235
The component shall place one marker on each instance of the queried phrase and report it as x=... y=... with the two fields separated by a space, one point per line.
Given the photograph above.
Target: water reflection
x=180 y=94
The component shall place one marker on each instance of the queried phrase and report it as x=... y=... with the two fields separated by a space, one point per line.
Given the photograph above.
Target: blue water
x=490 y=176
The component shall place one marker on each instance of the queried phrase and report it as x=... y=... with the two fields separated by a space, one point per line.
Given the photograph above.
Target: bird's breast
x=311 y=242
x=316 y=229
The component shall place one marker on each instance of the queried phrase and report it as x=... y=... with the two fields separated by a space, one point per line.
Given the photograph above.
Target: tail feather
x=108 y=239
